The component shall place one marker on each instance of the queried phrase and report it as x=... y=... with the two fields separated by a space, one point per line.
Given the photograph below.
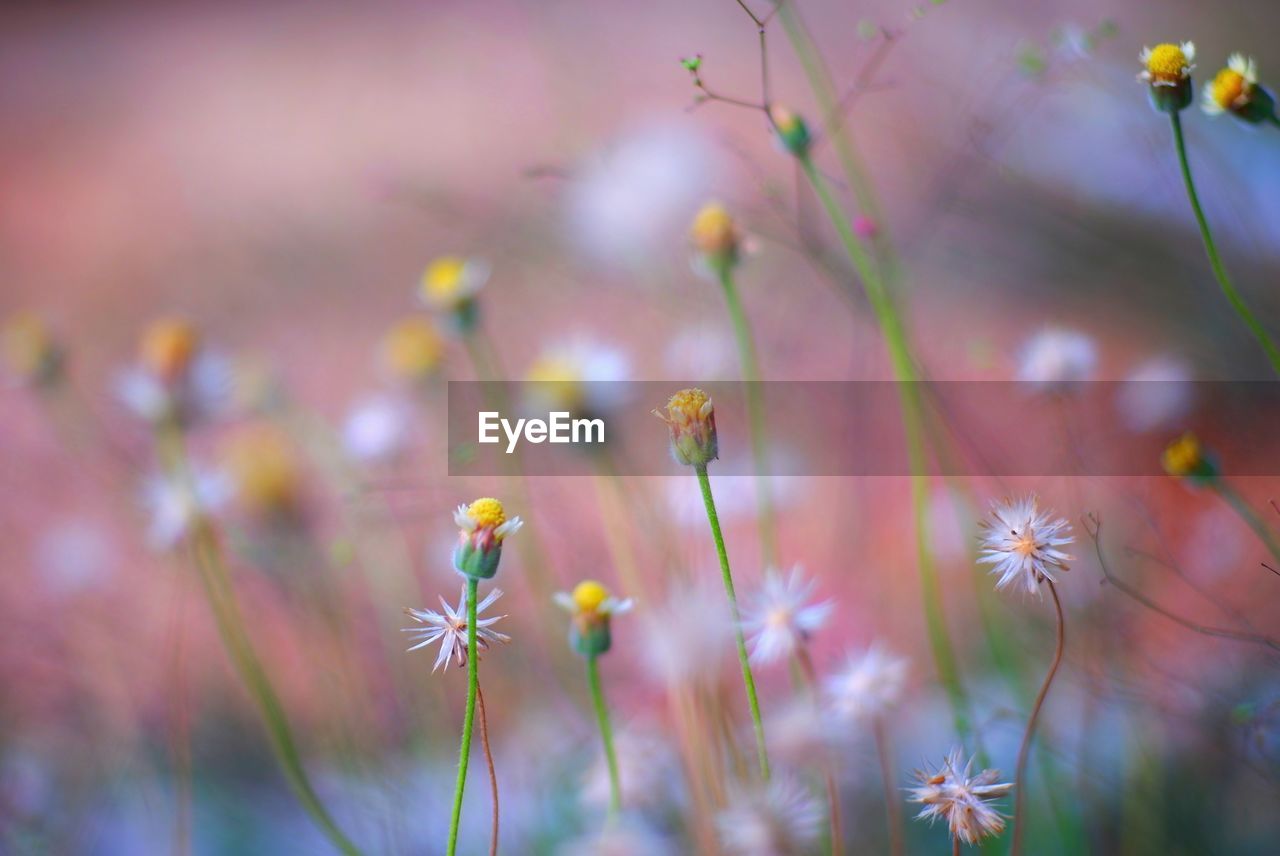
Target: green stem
x=747 y=679
x=606 y=734
x=904 y=370
x=1211 y=250
x=755 y=413
x=231 y=628
x=1238 y=504
x=468 y=720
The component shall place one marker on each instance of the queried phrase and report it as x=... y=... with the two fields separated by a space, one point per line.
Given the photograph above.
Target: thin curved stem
x=955 y=847
x=473 y=686
x=748 y=680
x=606 y=734
x=1211 y=250
x=1020 y=788
x=488 y=759
x=893 y=812
x=1242 y=508
x=750 y=363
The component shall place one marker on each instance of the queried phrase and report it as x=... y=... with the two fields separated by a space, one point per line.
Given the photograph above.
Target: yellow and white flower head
x=449 y=628
x=781 y=617
x=32 y=356
x=1024 y=543
x=1235 y=90
x=450 y=284
x=691 y=419
x=176 y=377
x=777 y=817
x=482 y=527
x=1166 y=69
x=410 y=352
x=869 y=685
x=1187 y=458
x=948 y=792
x=592 y=607
x=580 y=375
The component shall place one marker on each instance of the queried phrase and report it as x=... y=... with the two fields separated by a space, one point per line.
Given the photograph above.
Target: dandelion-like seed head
x=411 y=349
x=781 y=817
x=715 y=235
x=1024 y=543
x=780 y=618
x=168 y=348
x=482 y=527
x=948 y=792
x=691 y=418
x=449 y=628
x=870 y=685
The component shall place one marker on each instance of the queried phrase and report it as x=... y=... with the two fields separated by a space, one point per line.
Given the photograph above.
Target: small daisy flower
x=781 y=817
x=870 y=684
x=1235 y=90
x=449 y=628
x=450 y=285
x=1023 y=543
x=592 y=608
x=579 y=375
x=376 y=429
x=410 y=352
x=1166 y=69
x=176 y=377
x=779 y=619
x=32 y=356
x=691 y=418
x=482 y=527
x=1056 y=357
x=176 y=506
x=948 y=792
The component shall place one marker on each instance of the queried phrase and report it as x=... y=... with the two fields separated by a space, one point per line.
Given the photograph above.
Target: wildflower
x=482 y=525
x=691 y=419
x=1187 y=458
x=579 y=375
x=870 y=684
x=1057 y=357
x=781 y=817
x=376 y=429
x=31 y=354
x=949 y=793
x=1167 y=71
x=1235 y=90
x=592 y=608
x=176 y=505
x=449 y=628
x=411 y=350
x=715 y=236
x=792 y=130
x=1023 y=542
x=265 y=468
x=780 y=619
x=176 y=378
x=450 y=285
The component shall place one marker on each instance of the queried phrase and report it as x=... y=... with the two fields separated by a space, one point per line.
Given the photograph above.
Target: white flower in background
x=949 y=793
x=703 y=351
x=377 y=429
x=579 y=374
x=779 y=618
x=176 y=504
x=647 y=769
x=1156 y=394
x=631 y=204
x=1023 y=543
x=778 y=819
x=869 y=685
x=176 y=376
x=688 y=636
x=449 y=628
x=1055 y=357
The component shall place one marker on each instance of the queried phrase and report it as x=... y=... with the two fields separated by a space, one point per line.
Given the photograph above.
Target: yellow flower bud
x=691 y=418
x=168 y=348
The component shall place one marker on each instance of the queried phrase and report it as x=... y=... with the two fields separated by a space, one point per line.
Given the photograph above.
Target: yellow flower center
x=265 y=468
x=713 y=231
x=443 y=278
x=588 y=595
x=1183 y=456
x=487 y=512
x=168 y=346
x=1025 y=545
x=1227 y=87
x=1167 y=62
x=687 y=404
x=412 y=348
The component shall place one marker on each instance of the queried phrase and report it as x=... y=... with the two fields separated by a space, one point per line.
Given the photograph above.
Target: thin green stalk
x=747 y=679
x=755 y=414
x=226 y=612
x=606 y=734
x=468 y=720
x=1211 y=250
x=1260 y=528
x=904 y=371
